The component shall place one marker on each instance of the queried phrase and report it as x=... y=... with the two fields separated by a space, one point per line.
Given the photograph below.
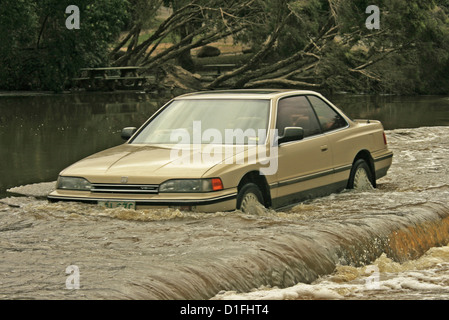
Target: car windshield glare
x=208 y=121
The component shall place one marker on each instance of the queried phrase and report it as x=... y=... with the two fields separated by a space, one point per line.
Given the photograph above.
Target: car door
x=304 y=166
x=343 y=148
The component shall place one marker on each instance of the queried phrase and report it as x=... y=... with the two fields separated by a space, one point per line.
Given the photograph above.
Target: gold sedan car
x=227 y=150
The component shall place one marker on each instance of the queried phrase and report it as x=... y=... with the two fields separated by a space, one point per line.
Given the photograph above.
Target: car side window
x=296 y=112
x=328 y=117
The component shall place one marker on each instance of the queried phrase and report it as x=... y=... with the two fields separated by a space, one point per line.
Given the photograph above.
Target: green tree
x=17 y=27
x=422 y=67
x=197 y=23
x=326 y=44
x=42 y=53
x=296 y=43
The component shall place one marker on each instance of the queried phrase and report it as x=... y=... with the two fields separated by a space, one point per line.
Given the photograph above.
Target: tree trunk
x=184 y=58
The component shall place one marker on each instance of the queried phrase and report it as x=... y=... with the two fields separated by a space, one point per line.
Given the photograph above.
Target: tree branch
x=266 y=47
x=281 y=81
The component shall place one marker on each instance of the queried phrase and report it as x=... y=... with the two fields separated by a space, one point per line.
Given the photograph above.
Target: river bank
x=170 y=254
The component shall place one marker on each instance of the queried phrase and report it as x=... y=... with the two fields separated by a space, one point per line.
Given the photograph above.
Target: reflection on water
x=40 y=135
x=397 y=112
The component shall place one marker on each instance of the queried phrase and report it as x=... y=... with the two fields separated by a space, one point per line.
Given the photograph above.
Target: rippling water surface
x=387 y=243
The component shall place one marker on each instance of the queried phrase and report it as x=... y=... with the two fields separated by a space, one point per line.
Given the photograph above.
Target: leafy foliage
x=39 y=52
x=295 y=43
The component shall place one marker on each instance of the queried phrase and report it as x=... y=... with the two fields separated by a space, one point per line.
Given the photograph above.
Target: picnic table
x=217 y=70
x=220 y=67
x=110 y=78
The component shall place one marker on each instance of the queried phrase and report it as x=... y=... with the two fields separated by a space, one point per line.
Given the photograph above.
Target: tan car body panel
x=318 y=163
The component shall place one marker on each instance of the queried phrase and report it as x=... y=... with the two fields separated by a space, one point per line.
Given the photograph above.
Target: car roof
x=243 y=94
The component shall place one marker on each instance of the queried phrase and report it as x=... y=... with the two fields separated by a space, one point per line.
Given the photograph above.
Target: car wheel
x=250 y=199
x=360 y=177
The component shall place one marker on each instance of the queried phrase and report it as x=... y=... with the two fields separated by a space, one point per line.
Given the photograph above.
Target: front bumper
x=202 y=202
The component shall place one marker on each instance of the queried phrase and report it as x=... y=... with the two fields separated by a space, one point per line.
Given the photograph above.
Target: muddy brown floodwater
x=170 y=254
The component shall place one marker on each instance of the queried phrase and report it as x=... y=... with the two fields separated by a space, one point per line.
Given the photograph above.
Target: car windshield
x=214 y=121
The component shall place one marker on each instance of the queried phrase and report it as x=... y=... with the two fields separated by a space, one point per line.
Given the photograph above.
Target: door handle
x=324 y=148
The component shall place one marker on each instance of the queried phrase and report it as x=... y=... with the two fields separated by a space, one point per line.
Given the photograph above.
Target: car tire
x=250 y=199
x=361 y=177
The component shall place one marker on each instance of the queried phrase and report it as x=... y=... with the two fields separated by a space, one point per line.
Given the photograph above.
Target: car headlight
x=72 y=183
x=191 y=185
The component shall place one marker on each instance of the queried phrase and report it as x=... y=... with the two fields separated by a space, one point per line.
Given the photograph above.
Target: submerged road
x=169 y=254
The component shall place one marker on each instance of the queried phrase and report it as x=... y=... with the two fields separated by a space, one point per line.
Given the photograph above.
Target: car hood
x=149 y=163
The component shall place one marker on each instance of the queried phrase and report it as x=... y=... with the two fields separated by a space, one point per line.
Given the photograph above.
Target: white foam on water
x=35 y=189
x=427 y=277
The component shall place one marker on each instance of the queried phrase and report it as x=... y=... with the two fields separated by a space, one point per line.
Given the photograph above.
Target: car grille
x=125 y=188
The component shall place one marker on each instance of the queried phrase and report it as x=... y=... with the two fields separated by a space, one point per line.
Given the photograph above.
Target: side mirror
x=128 y=132
x=291 y=134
